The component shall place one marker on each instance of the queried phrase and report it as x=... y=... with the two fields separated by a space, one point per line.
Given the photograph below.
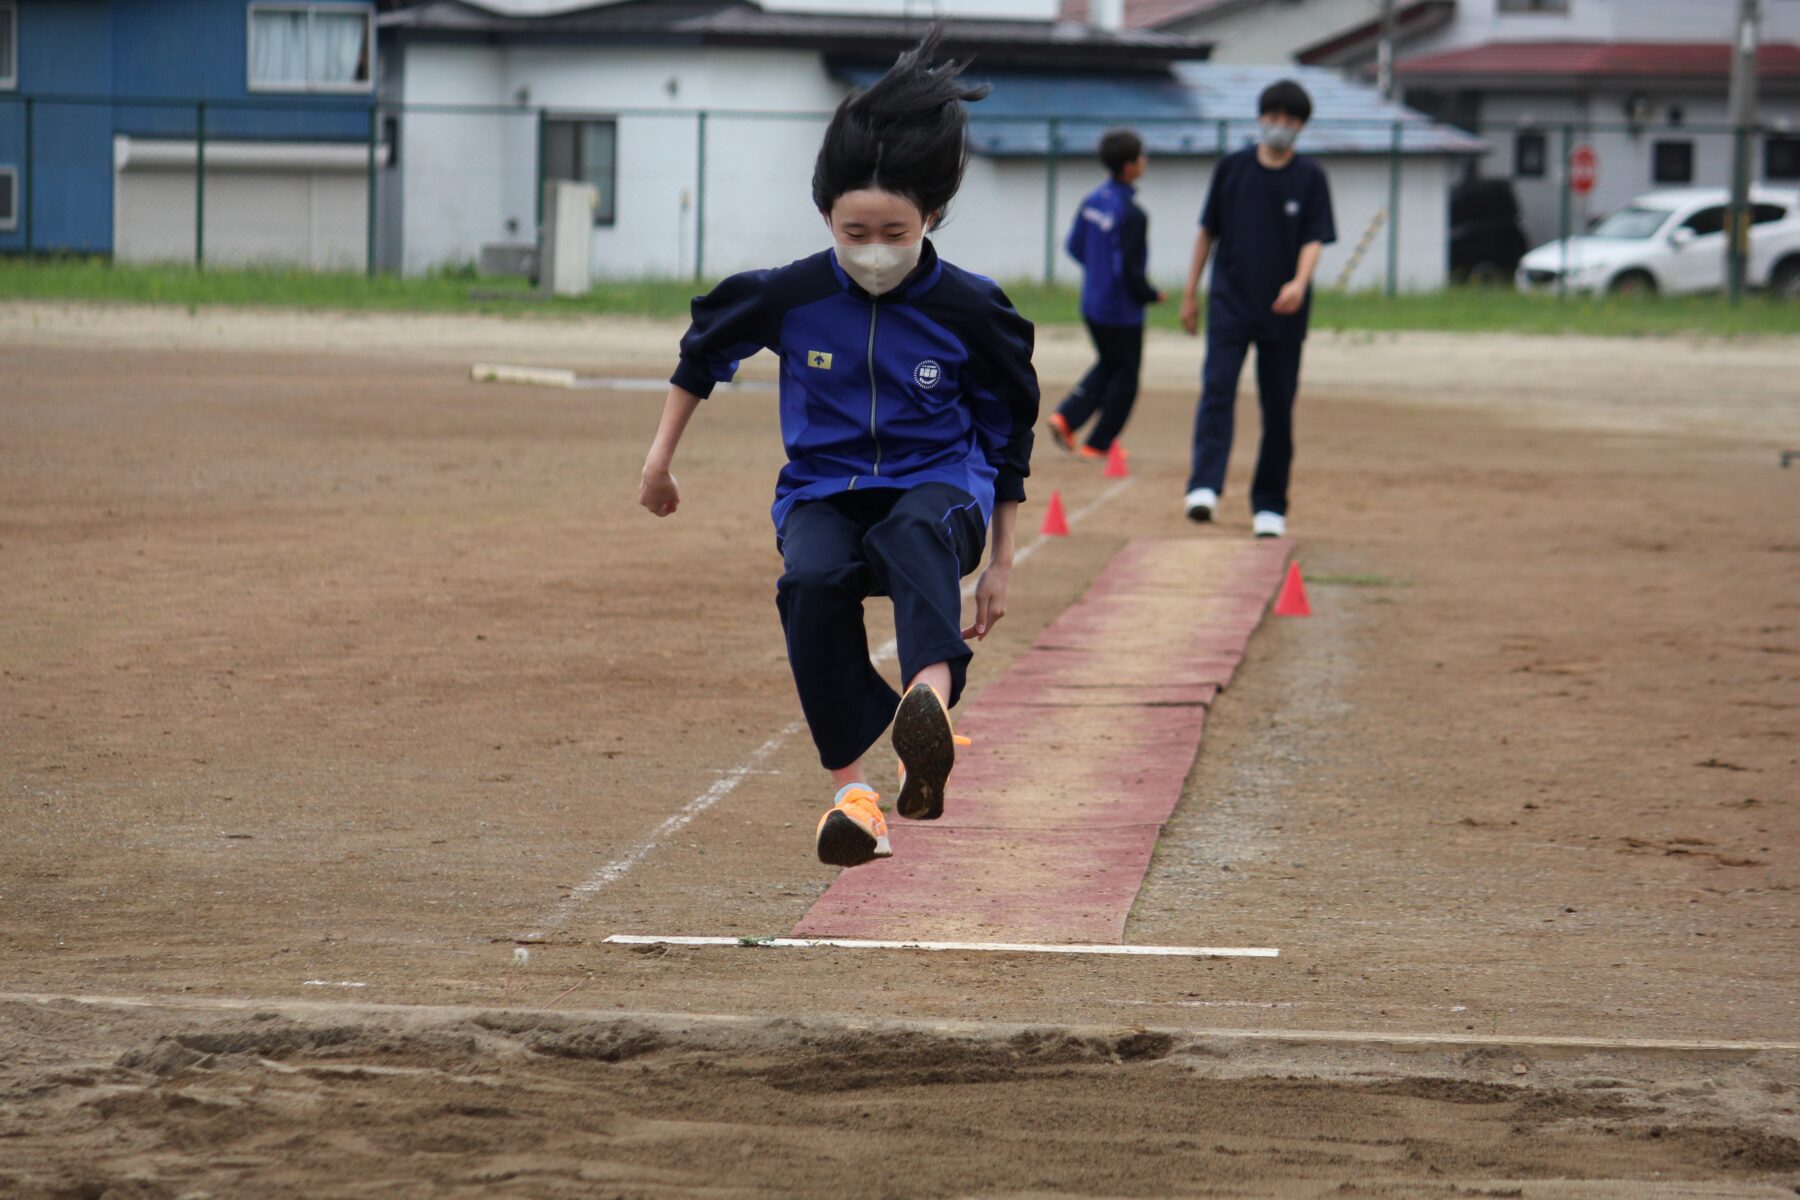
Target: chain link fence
x=336 y=186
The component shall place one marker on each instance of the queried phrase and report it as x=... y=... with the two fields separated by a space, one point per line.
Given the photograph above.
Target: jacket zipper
x=874 y=435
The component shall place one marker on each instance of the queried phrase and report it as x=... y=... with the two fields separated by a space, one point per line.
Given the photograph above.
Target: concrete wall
x=471 y=179
x=468 y=179
x=998 y=224
x=1479 y=21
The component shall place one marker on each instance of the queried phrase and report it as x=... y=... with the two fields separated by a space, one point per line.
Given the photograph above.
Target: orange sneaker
x=1060 y=431
x=926 y=747
x=853 y=832
x=1092 y=455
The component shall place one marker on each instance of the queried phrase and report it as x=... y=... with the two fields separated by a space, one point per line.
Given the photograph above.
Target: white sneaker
x=1268 y=524
x=1201 y=504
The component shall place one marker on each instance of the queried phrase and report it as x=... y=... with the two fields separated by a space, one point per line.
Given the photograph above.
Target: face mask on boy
x=1279 y=137
x=878 y=267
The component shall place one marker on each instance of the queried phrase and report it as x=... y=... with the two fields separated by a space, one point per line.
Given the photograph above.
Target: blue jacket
x=929 y=383
x=1108 y=239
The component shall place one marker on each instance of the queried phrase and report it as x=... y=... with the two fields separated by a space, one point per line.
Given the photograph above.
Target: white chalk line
x=727 y=783
x=785 y=943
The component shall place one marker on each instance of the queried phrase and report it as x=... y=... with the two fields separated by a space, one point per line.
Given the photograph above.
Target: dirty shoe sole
x=844 y=843
x=927 y=749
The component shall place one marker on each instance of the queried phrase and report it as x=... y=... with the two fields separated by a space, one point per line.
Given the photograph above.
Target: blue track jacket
x=929 y=383
x=1108 y=239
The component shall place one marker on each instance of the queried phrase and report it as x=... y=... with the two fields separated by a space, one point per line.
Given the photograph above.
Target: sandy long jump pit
x=325 y=672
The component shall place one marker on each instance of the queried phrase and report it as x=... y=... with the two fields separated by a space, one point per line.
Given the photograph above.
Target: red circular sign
x=1583 y=165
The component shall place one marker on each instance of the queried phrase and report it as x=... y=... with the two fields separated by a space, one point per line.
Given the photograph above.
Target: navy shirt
x=1260 y=219
x=1108 y=239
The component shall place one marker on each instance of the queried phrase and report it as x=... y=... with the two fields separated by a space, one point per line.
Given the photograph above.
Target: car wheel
x=1785 y=282
x=1633 y=283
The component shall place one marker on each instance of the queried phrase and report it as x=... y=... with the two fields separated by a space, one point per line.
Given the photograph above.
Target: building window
x=1781 y=157
x=9 y=46
x=1530 y=150
x=311 y=47
x=1672 y=162
x=585 y=150
x=9 y=198
x=1534 y=6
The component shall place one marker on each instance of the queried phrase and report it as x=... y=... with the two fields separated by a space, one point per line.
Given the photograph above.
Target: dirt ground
x=327 y=676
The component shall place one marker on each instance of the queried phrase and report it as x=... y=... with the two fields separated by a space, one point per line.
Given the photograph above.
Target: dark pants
x=1277 y=379
x=911 y=544
x=1111 y=385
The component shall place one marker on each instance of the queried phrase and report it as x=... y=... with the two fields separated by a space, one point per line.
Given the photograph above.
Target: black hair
x=1119 y=148
x=1287 y=98
x=905 y=133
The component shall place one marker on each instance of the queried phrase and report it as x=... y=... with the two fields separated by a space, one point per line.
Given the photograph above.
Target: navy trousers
x=1277 y=380
x=1111 y=385
x=913 y=545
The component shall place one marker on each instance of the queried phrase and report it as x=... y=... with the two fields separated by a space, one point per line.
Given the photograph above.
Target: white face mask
x=1278 y=137
x=879 y=267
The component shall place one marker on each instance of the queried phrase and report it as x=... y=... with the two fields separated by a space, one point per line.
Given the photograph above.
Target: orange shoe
x=926 y=747
x=854 y=831
x=1060 y=431
x=1092 y=455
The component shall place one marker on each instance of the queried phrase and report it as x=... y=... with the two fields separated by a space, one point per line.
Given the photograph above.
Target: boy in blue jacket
x=1109 y=240
x=907 y=405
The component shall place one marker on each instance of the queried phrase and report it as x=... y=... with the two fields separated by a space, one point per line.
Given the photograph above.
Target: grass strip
x=1453 y=310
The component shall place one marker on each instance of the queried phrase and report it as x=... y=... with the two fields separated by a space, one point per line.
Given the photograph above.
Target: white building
x=634 y=96
x=1642 y=83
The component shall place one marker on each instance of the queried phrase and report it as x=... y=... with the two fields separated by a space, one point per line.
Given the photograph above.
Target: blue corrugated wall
x=133 y=51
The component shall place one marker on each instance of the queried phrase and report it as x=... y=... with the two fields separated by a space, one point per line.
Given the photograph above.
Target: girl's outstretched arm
x=657 y=489
x=990 y=590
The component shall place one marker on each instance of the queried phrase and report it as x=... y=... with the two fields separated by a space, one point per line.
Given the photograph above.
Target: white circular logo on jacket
x=926 y=374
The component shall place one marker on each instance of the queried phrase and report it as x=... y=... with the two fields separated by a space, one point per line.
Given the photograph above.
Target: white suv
x=1674 y=241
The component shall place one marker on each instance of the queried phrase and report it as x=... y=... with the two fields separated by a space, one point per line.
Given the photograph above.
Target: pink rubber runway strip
x=1081 y=749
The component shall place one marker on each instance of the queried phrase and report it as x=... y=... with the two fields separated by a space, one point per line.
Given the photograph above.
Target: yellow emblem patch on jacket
x=819 y=359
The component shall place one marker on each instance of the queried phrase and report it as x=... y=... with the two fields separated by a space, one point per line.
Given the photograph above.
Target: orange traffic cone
x=1292 y=600
x=1055 y=524
x=1115 y=462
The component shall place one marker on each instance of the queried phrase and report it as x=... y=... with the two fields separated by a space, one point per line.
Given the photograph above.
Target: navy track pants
x=913 y=545
x=1277 y=381
x=1111 y=385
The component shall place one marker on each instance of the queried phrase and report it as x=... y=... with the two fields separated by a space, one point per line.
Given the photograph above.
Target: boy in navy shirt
x=907 y=405
x=1269 y=213
x=1108 y=239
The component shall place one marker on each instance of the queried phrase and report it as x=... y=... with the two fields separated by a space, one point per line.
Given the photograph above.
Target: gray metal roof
x=742 y=23
x=1348 y=117
x=1199 y=109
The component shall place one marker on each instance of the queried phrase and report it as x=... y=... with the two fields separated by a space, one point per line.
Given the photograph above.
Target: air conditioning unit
x=568 y=237
x=517 y=259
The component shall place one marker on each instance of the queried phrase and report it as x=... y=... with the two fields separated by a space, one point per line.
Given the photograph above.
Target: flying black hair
x=905 y=133
x=1287 y=98
x=1119 y=149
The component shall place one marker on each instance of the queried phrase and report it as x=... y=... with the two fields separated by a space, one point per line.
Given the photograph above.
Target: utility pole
x=1743 y=133
x=1384 y=54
